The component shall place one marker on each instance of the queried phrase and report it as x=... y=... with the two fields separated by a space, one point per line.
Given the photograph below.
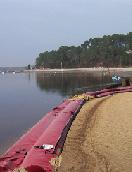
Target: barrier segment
x=15 y=155
x=50 y=127
x=55 y=132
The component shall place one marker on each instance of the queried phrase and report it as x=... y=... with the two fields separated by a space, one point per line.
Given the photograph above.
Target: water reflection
x=68 y=84
x=27 y=97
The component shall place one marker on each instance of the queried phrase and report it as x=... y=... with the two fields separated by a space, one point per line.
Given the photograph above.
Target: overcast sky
x=28 y=27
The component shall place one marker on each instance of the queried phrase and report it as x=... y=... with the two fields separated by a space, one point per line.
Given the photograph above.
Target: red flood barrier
x=40 y=144
x=107 y=92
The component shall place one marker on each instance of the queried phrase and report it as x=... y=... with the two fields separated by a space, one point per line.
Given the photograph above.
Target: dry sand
x=100 y=139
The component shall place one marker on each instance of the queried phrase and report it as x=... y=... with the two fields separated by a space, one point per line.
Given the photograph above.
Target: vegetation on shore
x=109 y=51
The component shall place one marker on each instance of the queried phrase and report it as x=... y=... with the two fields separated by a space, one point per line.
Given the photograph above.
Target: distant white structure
x=129 y=52
x=13 y=72
x=3 y=73
x=116 y=78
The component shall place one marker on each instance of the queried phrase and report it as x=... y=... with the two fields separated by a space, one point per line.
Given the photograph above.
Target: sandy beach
x=83 y=69
x=100 y=139
x=122 y=72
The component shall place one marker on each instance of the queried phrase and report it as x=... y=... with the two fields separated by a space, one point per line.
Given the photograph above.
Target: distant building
x=120 y=44
x=129 y=52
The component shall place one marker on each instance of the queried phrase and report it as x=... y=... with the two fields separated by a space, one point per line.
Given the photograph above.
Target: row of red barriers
x=111 y=91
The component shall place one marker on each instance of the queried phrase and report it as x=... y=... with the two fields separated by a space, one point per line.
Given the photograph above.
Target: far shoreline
x=94 y=69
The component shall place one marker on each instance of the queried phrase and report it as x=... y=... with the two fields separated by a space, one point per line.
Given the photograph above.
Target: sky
x=29 y=27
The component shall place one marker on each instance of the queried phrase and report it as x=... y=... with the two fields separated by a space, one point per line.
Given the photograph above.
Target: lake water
x=27 y=97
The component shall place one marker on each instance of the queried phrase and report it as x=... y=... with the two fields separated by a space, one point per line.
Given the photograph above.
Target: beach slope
x=100 y=139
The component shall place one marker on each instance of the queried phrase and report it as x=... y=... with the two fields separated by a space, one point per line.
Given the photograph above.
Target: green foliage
x=108 y=51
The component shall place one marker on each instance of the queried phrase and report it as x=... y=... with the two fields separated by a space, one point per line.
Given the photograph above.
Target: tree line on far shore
x=109 y=51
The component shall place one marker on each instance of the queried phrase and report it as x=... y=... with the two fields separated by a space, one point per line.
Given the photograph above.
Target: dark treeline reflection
x=68 y=84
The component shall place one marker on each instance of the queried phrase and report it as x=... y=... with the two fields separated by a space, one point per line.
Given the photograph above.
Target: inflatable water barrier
x=43 y=142
x=111 y=91
x=35 y=150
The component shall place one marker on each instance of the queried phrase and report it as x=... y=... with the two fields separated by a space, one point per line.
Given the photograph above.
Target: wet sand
x=100 y=139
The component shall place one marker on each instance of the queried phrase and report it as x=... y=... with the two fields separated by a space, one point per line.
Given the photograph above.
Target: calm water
x=26 y=97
